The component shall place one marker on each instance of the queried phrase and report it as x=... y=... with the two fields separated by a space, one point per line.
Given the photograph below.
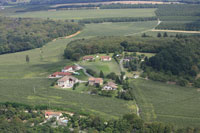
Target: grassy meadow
x=167 y=103
x=82 y=14
x=105 y=66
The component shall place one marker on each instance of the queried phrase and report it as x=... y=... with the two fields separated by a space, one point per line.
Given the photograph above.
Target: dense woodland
x=19 y=34
x=177 y=62
x=78 y=48
x=23 y=118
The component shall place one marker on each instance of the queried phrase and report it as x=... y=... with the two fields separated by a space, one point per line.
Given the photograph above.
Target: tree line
x=119 y=19
x=81 y=47
x=20 y=34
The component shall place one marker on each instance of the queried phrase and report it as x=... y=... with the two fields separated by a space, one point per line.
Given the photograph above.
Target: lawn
x=97 y=65
x=167 y=103
x=81 y=14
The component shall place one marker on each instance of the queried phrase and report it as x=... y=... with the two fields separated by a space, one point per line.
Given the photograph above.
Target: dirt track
x=70 y=36
x=177 y=31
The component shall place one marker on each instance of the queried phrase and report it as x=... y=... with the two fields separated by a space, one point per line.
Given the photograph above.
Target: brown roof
x=96 y=80
x=112 y=84
x=88 y=57
x=61 y=74
x=65 y=78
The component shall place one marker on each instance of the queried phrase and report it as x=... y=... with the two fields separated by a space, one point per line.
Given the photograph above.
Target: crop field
x=22 y=91
x=117 y=29
x=82 y=14
x=167 y=103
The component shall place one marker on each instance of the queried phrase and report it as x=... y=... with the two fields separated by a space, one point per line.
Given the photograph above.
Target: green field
x=167 y=103
x=117 y=29
x=97 y=65
x=157 y=101
x=82 y=14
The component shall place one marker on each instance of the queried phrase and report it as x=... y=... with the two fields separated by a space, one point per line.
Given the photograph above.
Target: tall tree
x=101 y=74
x=27 y=59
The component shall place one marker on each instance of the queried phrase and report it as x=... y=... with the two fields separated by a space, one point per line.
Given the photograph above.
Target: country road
x=84 y=70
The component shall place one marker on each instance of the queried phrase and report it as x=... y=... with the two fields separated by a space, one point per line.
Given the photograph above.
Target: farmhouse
x=67 y=82
x=106 y=58
x=59 y=74
x=110 y=86
x=95 y=81
x=71 y=68
x=51 y=114
x=129 y=58
x=88 y=58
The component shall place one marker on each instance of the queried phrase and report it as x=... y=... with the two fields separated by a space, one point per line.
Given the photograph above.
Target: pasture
x=83 y=14
x=167 y=103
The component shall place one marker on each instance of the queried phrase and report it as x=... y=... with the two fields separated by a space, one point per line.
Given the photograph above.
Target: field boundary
x=178 y=31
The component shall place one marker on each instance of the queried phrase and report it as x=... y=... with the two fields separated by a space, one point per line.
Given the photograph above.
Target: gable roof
x=96 y=80
x=61 y=74
x=88 y=57
x=105 y=57
x=112 y=84
x=48 y=113
x=68 y=67
x=65 y=78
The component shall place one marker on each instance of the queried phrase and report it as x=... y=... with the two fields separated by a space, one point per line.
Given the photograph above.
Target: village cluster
x=66 y=78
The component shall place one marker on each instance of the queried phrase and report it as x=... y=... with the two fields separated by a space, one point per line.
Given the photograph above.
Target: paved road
x=121 y=65
x=84 y=70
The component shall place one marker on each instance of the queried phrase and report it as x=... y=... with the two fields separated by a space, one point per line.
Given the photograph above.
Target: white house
x=110 y=86
x=71 y=68
x=51 y=114
x=106 y=58
x=67 y=82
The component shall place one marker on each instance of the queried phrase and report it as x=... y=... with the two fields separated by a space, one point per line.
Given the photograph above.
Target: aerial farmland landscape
x=89 y=66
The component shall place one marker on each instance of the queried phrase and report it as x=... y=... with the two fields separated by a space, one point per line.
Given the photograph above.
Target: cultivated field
x=82 y=14
x=167 y=103
x=117 y=29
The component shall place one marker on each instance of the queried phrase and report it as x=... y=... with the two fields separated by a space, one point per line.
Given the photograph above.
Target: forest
x=20 y=34
x=78 y=48
x=178 y=62
x=20 y=118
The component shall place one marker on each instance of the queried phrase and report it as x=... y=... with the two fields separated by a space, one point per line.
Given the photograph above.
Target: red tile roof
x=61 y=74
x=88 y=57
x=105 y=57
x=68 y=67
x=52 y=113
